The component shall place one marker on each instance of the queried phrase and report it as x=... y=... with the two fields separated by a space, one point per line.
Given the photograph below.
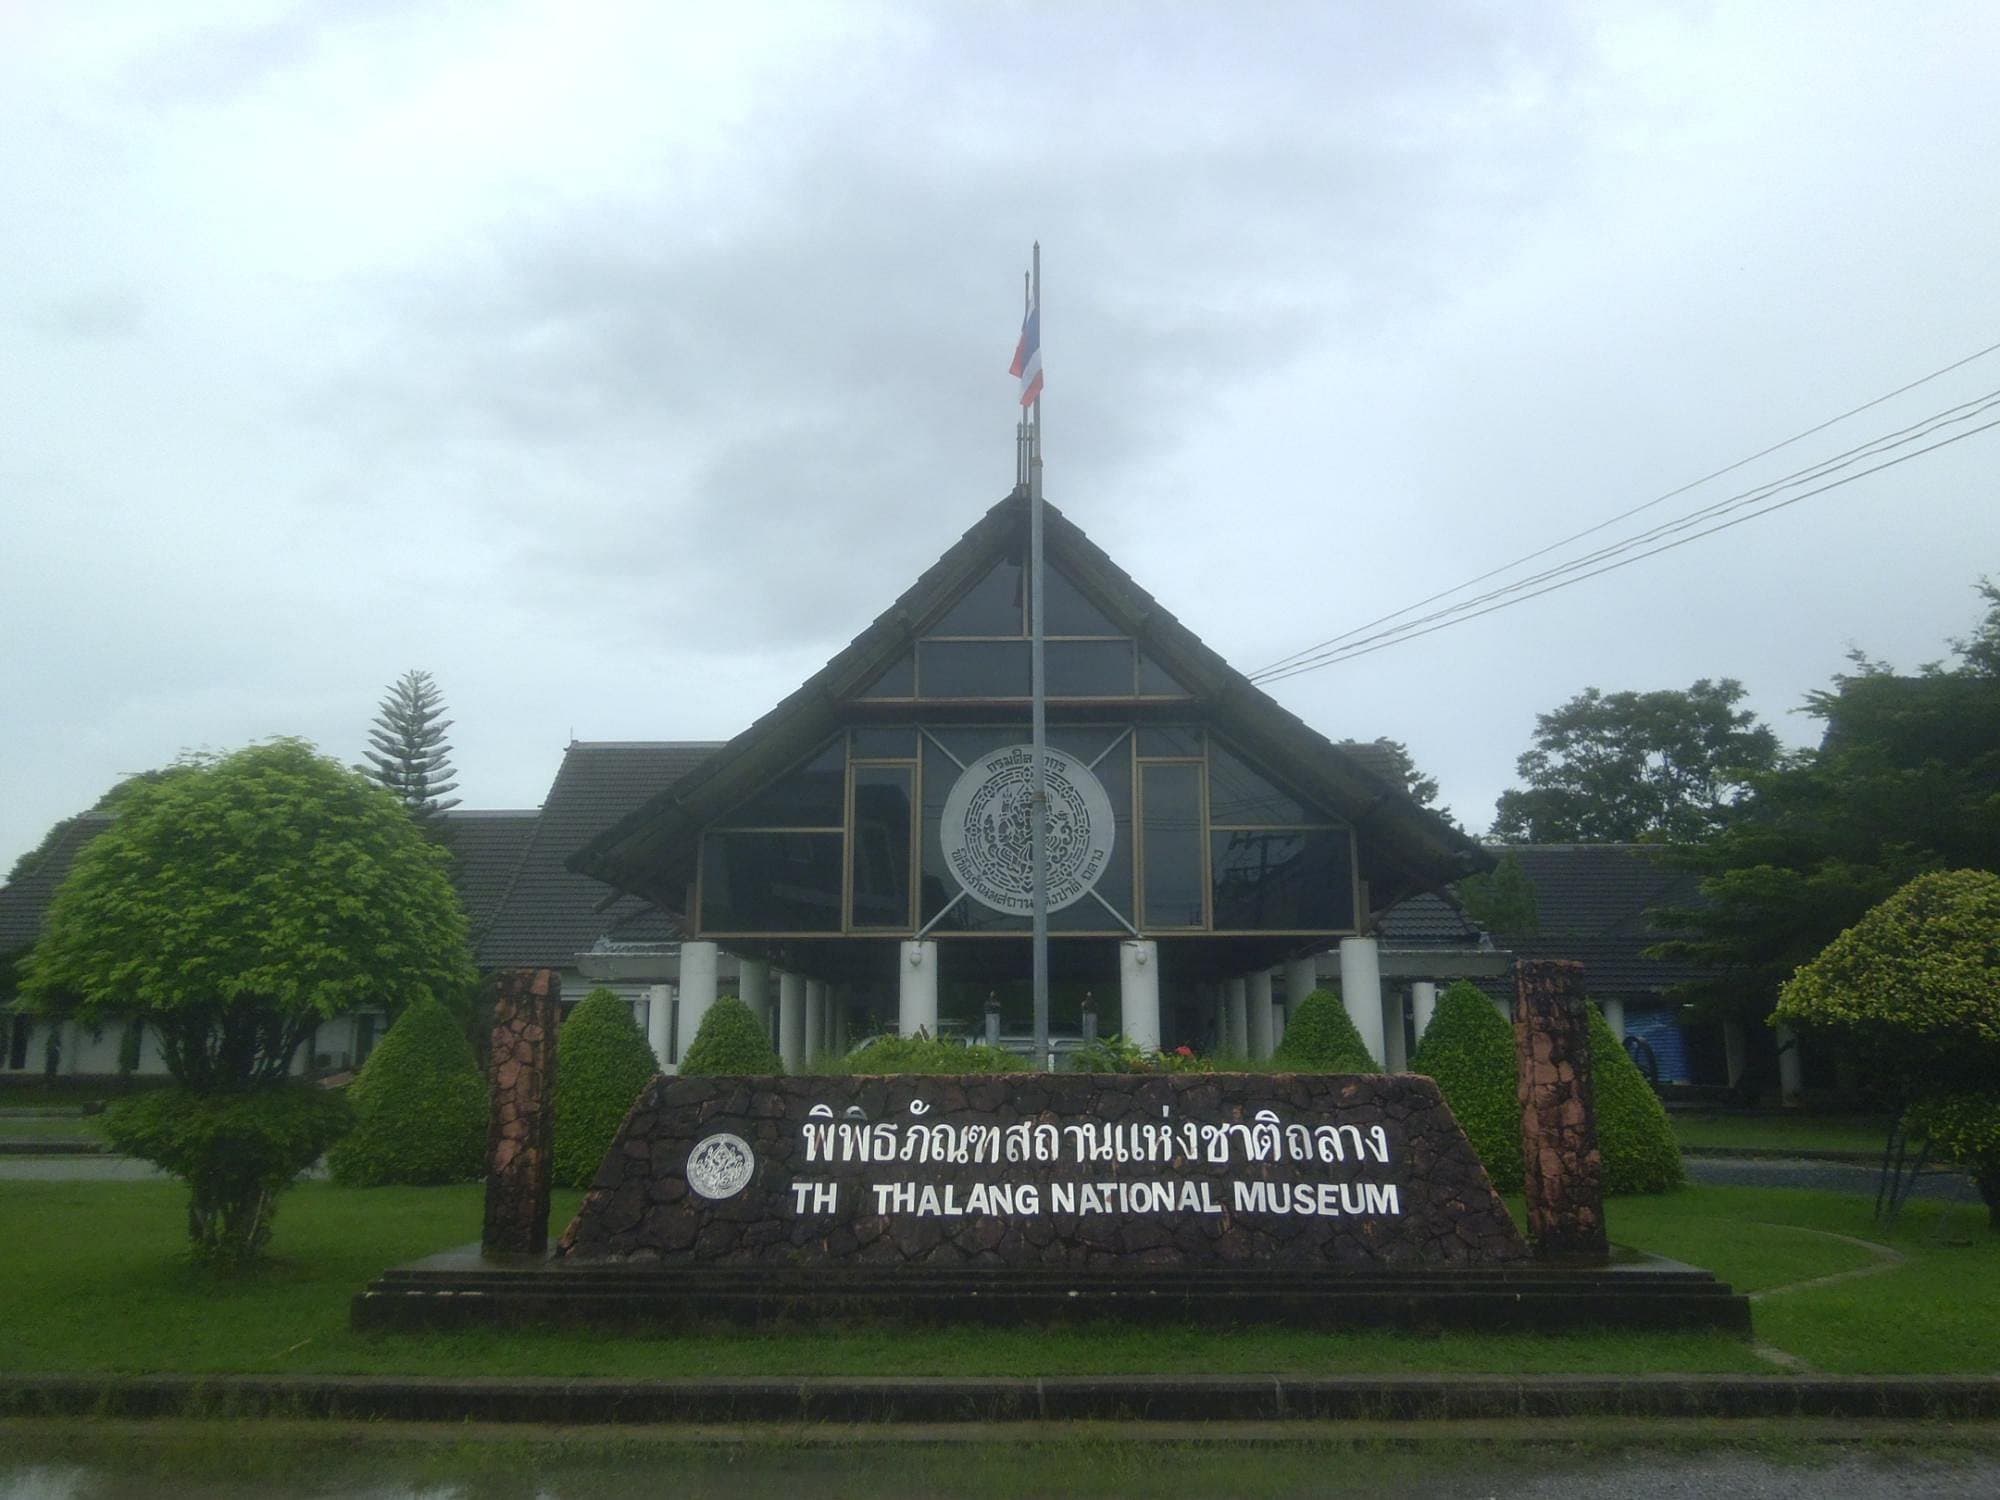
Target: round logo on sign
x=721 y=1166
x=986 y=830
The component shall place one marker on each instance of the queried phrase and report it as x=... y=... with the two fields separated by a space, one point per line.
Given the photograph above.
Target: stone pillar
x=1735 y=1051
x=1395 y=1043
x=753 y=986
x=1257 y=998
x=1237 y=1009
x=520 y=1123
x=1139 y=992
x=659 y=1024
x=1361 y=991
x=1423 y=1005
x=1565 y=1172
x=1791 y=1075
x=916 y=990
x=1614 y=1017
x=815 y=1018
x=697 y=989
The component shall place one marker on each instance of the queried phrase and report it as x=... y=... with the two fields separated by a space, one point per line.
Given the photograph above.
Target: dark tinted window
x=973 y=669
x=1171 y=740
x=1173 y=831
x=770 y=882
x=1088 y=669
x=1301 y=880
x=993 y=606
x=880 y=850
x=882 y=744
x=1066 y=612
x=900 y=681
x=1156 y=682
x=813 y=796
x=1237 y=794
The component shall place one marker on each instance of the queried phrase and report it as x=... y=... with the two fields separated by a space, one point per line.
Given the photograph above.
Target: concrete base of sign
x=463 y=1289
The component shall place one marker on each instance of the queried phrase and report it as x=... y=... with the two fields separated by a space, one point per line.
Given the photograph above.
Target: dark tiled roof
x=25 y=904
x=486 y=850
x=1591 y=901
x=1427 y=921
x=547 y=915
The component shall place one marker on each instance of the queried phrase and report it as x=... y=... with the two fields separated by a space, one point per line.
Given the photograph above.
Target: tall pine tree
x=411 y=757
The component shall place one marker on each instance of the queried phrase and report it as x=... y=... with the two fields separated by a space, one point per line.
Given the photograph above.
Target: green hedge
x=730 y=1040
x=1469 y=1051
x=1641 y=1153
x=925 y=1054
x=602 y=1063
x=420 y=1107
x=1321 y=1039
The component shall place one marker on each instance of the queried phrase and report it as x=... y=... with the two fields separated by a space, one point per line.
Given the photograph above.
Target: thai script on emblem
x=987 y=830
x=720 y=1166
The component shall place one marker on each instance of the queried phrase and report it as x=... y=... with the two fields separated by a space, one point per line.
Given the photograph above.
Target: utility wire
x=1796 y=437
x=1341 y=646
x=1364 y=650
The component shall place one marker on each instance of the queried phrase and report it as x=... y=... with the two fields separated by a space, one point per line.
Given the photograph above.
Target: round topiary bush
x=419 y=1105
x=1321 y=1039
x=927 y=1054
x=602 y=1062
x=730 y=1040
x=1641 y=1154
x=1469 y=1051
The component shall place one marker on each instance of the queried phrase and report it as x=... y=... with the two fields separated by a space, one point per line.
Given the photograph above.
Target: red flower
x=1183 y=1052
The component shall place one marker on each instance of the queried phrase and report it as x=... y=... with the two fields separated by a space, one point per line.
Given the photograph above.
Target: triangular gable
x=1404 y=848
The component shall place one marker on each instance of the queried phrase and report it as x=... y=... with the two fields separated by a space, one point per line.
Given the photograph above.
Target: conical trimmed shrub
x=419 y=1104
x=730 y=1039
x=1469 y=1051
x=1641 y=1153
x=1321 y=1039
x=602 y=1062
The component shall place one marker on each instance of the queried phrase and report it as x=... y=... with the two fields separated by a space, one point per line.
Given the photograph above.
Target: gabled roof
x=1405 y=849
x=547 y=914
x=24 y=905
x=1592 y=904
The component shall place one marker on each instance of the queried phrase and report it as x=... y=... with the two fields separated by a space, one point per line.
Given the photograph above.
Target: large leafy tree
x=233 y=905
x=1627 y=767
x=411 y=756
x=1905 y=780
x=27 y=863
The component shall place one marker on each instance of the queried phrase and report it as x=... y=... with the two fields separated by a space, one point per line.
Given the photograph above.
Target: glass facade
x=852 y=841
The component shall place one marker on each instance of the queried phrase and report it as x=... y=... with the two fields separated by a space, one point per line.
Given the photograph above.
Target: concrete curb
x=1127 y=1398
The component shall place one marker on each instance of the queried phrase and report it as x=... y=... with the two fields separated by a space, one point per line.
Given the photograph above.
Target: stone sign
x=1071 y=1170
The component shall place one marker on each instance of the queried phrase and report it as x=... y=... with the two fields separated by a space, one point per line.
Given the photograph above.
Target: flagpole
x=1039 y=820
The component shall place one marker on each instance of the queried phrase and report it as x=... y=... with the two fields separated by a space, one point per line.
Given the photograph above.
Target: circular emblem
x=986 y=830
x=720 y=1166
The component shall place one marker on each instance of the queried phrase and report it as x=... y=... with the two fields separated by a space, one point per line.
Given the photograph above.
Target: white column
x=697 y=989
x=916 y=990
x=791 y=1020
x=753 y=986
x=815 y=1017
x=1301 y=979
x=1395 y=1048
x=1423 y=1005
x=1735 y=1051
x=1139 y=992
x=1791 y=1075
x=659 y=1016
x=1237 y=1008
x=1257 y=1000
x=1361 y=991
x=1614 y=1017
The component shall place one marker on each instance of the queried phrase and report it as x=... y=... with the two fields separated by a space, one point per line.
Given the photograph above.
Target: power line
x=1796 y=437
x=1364 y=650
x=1342 y=646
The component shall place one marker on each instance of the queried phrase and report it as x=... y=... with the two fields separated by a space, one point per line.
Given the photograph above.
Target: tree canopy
x=1905 y=780
x=235 y=903
x=1629 y=767
x=411 y=756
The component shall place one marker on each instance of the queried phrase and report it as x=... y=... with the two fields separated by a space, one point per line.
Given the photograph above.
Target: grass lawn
x=49 y=1128
x=1853 y=1133
x=96 y=1282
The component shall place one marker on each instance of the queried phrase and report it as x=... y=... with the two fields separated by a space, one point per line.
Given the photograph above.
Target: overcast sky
x=618 y=363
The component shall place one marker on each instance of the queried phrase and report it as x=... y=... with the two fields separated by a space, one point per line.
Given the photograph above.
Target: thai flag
x=1028 y=357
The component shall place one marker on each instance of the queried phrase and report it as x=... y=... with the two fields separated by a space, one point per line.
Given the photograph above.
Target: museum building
x=858 y=857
